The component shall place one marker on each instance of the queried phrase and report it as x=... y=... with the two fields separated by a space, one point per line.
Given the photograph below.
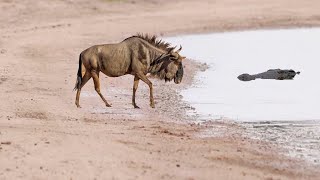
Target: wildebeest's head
x=174 y=68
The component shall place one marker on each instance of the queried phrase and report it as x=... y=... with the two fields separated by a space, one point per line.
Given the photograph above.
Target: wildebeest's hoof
x=108 y=105
x=136 y=107
x=152 y=105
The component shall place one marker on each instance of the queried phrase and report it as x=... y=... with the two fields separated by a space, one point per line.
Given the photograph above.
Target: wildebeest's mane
x=153 y=39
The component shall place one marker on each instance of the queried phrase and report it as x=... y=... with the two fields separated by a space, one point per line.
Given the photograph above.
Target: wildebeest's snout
x=179 y=74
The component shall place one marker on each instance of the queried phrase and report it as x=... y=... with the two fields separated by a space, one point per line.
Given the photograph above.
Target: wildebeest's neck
x=157 y=61
x=158 y=57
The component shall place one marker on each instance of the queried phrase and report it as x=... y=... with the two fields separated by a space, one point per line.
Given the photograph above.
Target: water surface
x=221 y=94
x=285 y=113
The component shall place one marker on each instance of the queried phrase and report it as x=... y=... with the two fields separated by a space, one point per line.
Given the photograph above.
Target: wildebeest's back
x=114 y=59
x=119 y=59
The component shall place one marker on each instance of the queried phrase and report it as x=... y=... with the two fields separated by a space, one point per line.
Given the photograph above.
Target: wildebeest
x=137 y=55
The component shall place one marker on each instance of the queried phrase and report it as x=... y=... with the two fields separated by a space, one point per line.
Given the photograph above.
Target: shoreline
x=297 y=139
x=50 y=138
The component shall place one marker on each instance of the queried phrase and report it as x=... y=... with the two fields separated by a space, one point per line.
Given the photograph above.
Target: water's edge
x=299 y=136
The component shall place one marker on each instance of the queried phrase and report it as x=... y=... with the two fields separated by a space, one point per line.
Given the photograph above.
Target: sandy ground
x=44 y=136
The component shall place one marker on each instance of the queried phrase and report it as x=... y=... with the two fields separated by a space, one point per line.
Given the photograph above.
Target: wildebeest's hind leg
x=85 y=79
x=149 y=83
x=96 y=81
x=135 y=87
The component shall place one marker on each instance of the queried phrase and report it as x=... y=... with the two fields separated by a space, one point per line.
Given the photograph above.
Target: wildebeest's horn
x=179 y=49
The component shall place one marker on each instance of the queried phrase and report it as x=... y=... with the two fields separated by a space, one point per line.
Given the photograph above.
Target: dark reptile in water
x=277 y=74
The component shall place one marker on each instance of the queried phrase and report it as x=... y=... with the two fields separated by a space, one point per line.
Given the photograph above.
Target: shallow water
x=284 y=113
x=221 y=94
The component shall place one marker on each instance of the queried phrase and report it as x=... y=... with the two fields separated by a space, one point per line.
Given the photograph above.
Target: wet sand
x=44 y=136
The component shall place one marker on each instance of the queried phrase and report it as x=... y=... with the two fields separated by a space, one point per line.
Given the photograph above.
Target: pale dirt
x=44 y=136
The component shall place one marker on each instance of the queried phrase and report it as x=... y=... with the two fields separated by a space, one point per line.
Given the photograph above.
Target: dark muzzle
x=179 y=75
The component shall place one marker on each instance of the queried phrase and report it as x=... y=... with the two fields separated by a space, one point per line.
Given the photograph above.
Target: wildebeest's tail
x=79 y=75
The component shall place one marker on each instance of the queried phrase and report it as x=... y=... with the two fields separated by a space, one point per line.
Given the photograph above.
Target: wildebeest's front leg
x=144 y=78
x=96 y=81
x=135 y=87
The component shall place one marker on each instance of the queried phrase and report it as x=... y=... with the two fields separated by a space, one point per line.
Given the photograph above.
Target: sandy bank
x=50 y=138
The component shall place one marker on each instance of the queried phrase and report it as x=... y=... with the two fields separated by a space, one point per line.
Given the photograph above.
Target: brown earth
x=44 y=136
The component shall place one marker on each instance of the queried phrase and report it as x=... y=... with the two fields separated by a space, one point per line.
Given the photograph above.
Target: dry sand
x=44 y=136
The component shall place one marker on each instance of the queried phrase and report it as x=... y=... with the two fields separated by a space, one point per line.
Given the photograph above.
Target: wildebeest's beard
x=164 y=74
x=167 y=79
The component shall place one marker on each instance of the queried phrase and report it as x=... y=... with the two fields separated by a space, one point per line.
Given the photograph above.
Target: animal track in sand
x=43 y=27
x=3 y=79
x=4 y=74
x=32 y=115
